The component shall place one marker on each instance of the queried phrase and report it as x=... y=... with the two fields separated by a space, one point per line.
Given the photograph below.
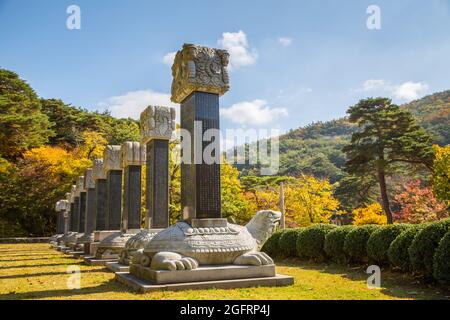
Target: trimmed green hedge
x=271 y=246
x=421 y=251
x=311 y=240
x=421 y=248
x=287 y=243
x=398 y=250
x=380 y=240
x=355 y=245
x=334 y=243
x=441 y=260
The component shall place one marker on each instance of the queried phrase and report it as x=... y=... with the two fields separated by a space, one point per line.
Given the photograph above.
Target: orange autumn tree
x=418 y=204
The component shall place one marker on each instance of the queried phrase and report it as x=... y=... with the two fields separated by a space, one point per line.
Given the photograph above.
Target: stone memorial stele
x=73 y=240
x=70 y=237
x=111 y=246
x=204 y=250
x=90 y=213
x=60 y=208
x=81 y=192
x=157 y=126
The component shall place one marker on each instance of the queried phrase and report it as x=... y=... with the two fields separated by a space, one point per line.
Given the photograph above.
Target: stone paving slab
x=117 y=267
x=93 y=261
x=144 y=286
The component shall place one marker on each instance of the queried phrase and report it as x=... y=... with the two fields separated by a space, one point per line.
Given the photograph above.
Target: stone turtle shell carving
x=206 y=245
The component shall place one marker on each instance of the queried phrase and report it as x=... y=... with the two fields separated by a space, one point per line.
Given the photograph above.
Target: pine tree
x=22 y=124
x=386 y=135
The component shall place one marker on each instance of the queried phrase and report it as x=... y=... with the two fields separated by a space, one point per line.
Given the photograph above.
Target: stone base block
x=203 y=273
x=100 y=235
x=79 y=254
x=117 y=267
x=75 y=254
x=93 y=261
x=93 y=248
x=144 y=286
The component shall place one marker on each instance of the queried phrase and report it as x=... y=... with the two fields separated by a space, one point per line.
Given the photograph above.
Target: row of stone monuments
x=100 y=219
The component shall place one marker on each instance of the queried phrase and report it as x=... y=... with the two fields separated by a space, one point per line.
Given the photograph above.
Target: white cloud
x=168 y=58
x=410 y=90
x=403 y=92
x=241 y=54
x=285 y=41
x=255 y=112
x=132 y=103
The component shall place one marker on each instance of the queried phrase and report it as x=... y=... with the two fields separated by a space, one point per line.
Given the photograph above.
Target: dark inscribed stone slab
x=132 y=197
x=71 y=217
x=100 y=204
x=76 y=214
x=200 y=183
x=157 y=177
x=90 y=211
x=113 y=199
x=82 y=211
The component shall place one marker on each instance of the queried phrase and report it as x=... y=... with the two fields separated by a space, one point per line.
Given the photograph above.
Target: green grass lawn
x=33 y=271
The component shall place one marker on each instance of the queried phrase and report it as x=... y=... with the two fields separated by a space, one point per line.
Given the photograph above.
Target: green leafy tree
x=386 y=135
x=22 y=124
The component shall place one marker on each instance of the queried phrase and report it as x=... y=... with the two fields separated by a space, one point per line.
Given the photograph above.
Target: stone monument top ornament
x=89 y=182
x=133 y=154
x=61 y=205
x=80 y=186
x=97 y=170
x=73 y=190
x=157 y=122
x=111 y=159
x=197 y=68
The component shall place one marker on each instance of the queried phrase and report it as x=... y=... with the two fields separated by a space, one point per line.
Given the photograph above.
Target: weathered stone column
x=76 y=210
x=82 y=204
x=157 y=125
x=113 y=172
x=133 y=157
x=199 y=77
x=100 y=194
x=89 y=223
x=72 y=209
x=66 y=227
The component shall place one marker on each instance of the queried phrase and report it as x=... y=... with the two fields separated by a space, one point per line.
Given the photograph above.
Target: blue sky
x=294 y=62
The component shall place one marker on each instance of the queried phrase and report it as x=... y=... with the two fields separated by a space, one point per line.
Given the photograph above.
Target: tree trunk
x=384 y=196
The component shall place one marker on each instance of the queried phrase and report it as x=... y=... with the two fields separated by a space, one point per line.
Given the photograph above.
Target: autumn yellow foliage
x=371 y=214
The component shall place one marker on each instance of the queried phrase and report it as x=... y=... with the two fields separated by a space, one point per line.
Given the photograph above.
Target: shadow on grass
x=36 y=259
x=40 y=274
x=107 y=286
x=395 y=284
x=37 y=265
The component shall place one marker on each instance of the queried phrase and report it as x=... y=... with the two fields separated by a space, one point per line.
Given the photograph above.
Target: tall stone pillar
x=72 y=209
x=82 y=204
x=66 y=227
x=199 y=77
x=157 y=125
x=133 y=157
x=90 y=216
x=113 y=172
x=100 y=194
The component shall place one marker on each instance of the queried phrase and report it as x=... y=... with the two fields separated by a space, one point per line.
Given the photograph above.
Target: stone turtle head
x=263 y=225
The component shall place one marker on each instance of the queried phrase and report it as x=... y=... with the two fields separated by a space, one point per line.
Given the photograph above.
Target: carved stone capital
x=157 y=123
x=97 y=170
x=111 y=159
x=62 y=205
x=197 y=68
x=68 y=196
x=73 y=190
x=80 y=186
x=133 y=154
x=89 y=182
